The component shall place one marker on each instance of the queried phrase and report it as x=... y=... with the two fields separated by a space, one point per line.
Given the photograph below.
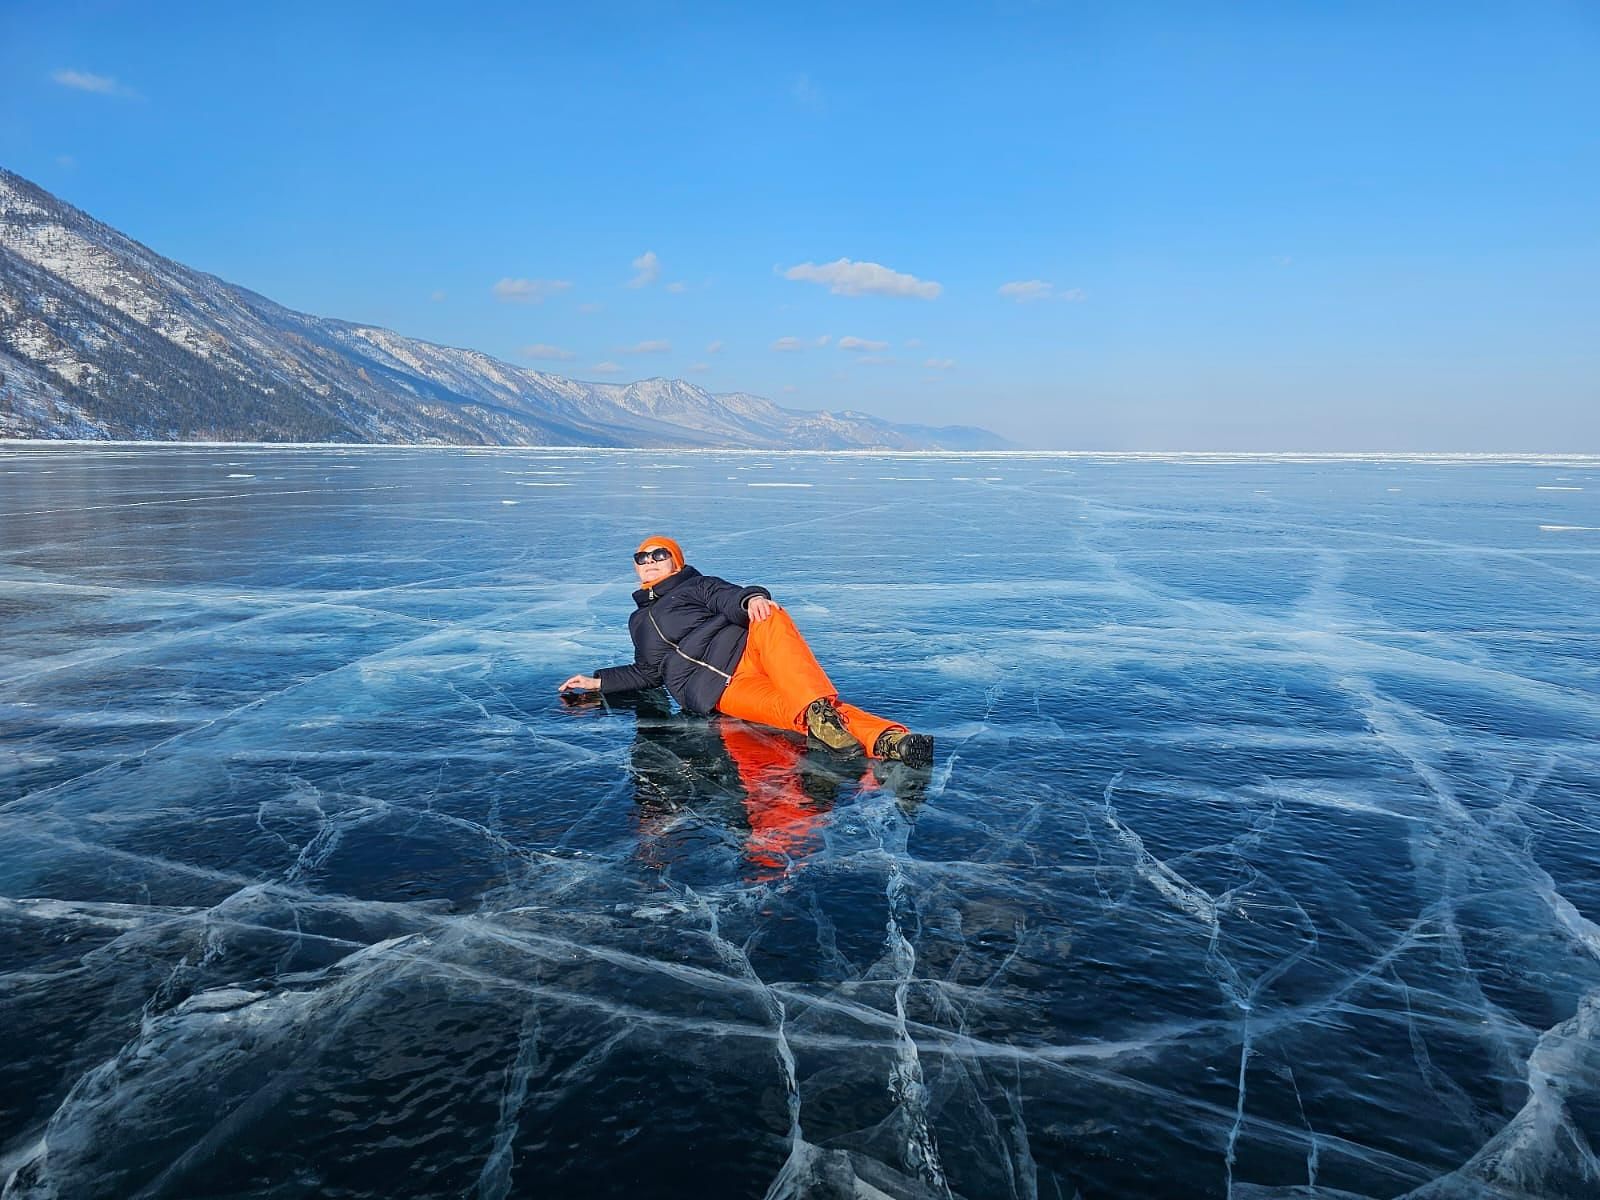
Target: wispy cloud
x=677 y=287
x=855 y=343
x=67 y=161
x=940 y=364
x=1027 y=291
x=529 y=291
x=794 y=343
x=589 y=306
x=877 y=360
x=85 y=81
x=846 y=278
x=653 y=346
x=540 y=350
x=646 y=268
x=804 y=92
x=607 y=368
x=437 y=295
x=699 y=368
x=715 y=347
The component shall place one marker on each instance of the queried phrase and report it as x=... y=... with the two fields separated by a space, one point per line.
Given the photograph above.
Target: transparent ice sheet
x=1258 y=858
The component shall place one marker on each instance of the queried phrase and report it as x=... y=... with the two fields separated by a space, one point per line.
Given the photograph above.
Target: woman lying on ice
x=718 y=647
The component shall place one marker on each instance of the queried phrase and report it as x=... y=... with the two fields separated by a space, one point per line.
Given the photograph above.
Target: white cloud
x=83 y=81
x=715 y=347
x=845 y=278
x=647 y=268
x=913 y=343
x=529 y=291
x=436 y=296
x=789 y=387
x=540 y=350
x=653 y=346
x=67 y=161
x=699 y=367
x=855 y=343
x=677 y=287
x=589 y=306
x=940 y=364
x=1026 y=291
x=877 y=360
x=607 y=368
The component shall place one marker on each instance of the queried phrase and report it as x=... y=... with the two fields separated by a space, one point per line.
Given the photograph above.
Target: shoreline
x=1442 y=457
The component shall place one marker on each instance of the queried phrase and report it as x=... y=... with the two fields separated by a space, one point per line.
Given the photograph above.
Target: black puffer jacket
x=688 y=633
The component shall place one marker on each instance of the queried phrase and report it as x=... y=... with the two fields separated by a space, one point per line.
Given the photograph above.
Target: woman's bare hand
x=760 y=608
x=580 y=683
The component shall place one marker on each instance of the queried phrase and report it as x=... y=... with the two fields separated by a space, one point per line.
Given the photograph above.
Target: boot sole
x=914 y=749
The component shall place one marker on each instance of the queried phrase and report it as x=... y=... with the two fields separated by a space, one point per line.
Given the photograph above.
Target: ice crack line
x=260 y=495
x=494 y=1181
x=906 y=1085
x=739 y=962
x=1174 y=887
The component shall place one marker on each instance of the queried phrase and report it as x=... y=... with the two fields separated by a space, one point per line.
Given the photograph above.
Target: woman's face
x=653 y=572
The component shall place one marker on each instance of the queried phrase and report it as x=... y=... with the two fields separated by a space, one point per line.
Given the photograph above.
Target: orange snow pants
x=778 y=677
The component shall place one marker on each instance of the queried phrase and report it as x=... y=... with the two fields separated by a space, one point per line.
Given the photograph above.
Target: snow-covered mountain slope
x=100 y=337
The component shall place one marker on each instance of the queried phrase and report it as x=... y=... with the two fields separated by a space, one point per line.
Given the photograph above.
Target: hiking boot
x=899 y=745
x=824 y=723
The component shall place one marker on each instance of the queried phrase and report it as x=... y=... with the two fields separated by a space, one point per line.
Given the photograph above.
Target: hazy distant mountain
x=101 y=337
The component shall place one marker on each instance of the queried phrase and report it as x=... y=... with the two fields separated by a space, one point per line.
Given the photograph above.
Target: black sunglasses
x=655 y=554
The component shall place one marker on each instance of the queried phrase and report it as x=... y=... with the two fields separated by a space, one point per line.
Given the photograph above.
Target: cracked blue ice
x=1259 y=857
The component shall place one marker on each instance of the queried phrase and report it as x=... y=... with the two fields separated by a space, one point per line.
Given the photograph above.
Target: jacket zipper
x=679 y=649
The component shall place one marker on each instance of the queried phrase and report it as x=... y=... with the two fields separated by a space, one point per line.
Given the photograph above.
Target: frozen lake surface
x=1259 y=857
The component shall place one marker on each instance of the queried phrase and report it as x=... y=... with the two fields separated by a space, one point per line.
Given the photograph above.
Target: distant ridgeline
x=102 y=338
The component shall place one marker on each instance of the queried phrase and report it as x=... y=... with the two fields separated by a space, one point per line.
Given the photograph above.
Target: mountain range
x=102 y=338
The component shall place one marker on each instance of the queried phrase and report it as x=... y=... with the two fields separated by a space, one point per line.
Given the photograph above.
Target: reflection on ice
x=1258 y=859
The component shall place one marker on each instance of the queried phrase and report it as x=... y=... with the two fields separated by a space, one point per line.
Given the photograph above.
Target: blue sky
x=1099 y=226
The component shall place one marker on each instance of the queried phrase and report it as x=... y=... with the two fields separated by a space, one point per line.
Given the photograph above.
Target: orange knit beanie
x=666 y=544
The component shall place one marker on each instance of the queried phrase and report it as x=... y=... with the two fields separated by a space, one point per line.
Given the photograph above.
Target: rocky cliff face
x=100 y=337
